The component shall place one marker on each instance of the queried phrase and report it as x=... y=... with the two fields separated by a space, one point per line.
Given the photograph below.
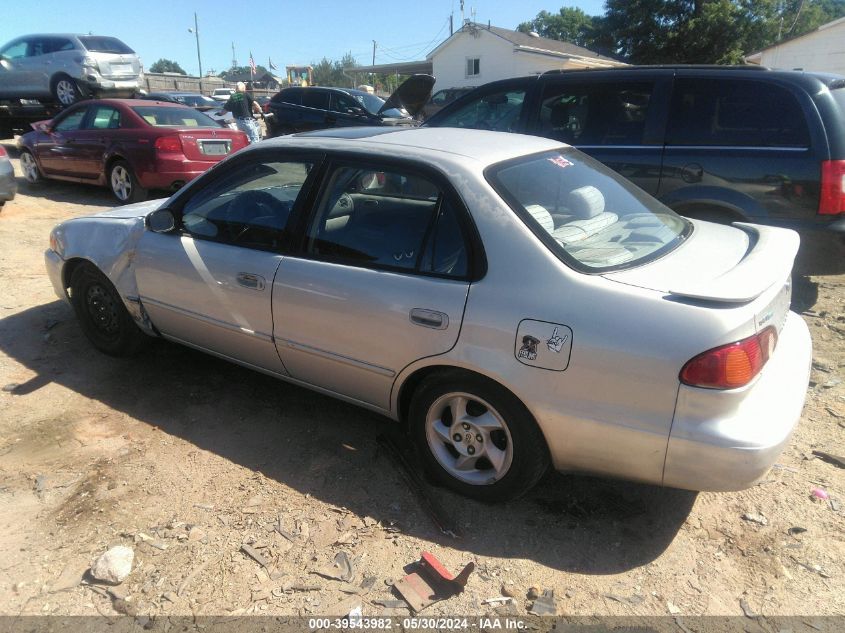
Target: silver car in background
x=514 y=302
x=8 y=186
x=65 y=67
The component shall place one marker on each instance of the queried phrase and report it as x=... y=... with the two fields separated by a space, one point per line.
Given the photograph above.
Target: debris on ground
x=545 y=604
x=498 y=600
x=431 y=582
x=508 y=590
x=255 y=555
x=672 y=607
x=533 y=593
x=755 y=518
x=340 y=569
x=836 y=460
x=71 y=576
x=746 y=609
x=819 y=493
x=412 y=477
x=796 y=530
x=114 y=565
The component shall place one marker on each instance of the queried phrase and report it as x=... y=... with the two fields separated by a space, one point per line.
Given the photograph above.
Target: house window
x=473 y=66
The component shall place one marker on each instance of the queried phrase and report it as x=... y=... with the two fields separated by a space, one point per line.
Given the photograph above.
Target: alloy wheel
x=66 y=92
x=121 y=182
x=28 y=167
x=469 y=438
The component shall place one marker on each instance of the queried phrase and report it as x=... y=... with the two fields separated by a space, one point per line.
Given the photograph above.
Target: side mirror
x=160 y=221
x=43 y=126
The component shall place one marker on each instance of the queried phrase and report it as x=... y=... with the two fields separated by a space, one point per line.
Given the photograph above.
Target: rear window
x=99 y=44
x=590 y=217
x=735 y=113
x=158 y=116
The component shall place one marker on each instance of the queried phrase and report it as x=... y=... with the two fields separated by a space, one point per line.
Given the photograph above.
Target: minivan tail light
x=168 y=144
x=832 y=199
x=2 y=151
x=732 y=365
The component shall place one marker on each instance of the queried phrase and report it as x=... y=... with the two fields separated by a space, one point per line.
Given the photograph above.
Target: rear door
x=617 y=118
x=380 y=279
x=314 y=114
x=742 y=144
x=209 y=284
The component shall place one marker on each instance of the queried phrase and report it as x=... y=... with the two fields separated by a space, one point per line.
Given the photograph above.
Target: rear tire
x=31 y=172
x=475 y=437
x=104 y=319
x=65 y=90
x=123 y=183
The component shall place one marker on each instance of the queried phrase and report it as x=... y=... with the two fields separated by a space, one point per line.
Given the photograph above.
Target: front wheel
x=101 y=313
x=477 y=438
x=29 y=167
x=124 y=185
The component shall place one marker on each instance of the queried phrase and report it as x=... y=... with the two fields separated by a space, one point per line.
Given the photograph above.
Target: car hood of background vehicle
x=732 y=264
x=137 y=210
x=411 y=95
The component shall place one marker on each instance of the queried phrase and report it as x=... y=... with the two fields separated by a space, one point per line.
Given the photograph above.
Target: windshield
x=373 y=104
x=98 y=44
x=159 y=116
x=585 y=213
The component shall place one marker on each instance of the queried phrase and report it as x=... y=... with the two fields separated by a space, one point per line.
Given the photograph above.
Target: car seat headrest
x=585 y=202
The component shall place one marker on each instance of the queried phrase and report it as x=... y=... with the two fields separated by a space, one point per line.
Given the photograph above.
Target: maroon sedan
x=128 y=145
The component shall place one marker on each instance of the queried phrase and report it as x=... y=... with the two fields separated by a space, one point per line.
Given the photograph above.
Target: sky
x=286 y=32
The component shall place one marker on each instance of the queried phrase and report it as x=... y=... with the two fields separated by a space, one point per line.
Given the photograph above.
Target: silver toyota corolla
x=513 y=301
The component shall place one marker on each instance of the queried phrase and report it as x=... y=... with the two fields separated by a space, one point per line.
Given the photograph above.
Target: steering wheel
x=248 y=206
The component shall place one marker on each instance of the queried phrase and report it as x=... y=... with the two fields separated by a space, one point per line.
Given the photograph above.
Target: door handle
x=692 y=173
x=429 y=318
x=253 y=282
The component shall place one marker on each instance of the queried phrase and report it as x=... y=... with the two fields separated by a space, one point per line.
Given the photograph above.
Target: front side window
x=595 y=114
x=72 y=121
x=249 y=207
x=735 y=113
x=388 y=218
x=345 y=105
x=589 y=216
x=473 y=66
x=105 y=118
x=162 y=116
x=497 y=111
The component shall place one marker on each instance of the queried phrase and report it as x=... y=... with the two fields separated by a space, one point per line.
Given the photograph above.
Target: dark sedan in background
x=193 y=99
x=313 y=108
x=128 y=145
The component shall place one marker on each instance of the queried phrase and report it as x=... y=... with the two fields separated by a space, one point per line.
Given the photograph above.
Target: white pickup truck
x=222 y=94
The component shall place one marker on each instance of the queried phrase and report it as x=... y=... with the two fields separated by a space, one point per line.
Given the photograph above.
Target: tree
x=237 y=72
x=568 y=25
x=167 y=66
x=330 y=73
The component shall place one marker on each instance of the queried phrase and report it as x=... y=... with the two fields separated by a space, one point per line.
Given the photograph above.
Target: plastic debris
x=545 y=604
x=819 y=493
x=755 y=518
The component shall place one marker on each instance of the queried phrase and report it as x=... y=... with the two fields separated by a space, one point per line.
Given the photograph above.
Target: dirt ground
x=186 y=458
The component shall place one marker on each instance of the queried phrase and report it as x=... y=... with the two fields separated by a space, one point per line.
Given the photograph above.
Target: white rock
x=114 y=566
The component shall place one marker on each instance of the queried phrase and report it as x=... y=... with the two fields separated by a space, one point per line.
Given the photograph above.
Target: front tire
x=102 y=315
x=66 y=91
x=29 y=167
x=123 y=183
x=476 y=438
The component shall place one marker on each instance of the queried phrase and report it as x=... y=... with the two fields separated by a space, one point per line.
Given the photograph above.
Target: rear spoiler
x=768 y=260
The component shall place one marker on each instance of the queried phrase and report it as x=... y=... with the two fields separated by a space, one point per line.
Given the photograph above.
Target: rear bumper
x=728 y=440
x=173 y=170
x=8 y=185
x=95 y=82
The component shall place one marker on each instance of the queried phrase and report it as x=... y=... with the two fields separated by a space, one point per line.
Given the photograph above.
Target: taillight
x=832 y=199
x=168 y=144
x=2 y=151
x=733 y=365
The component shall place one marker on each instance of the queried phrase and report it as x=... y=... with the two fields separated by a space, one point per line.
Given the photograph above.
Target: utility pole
x=374 y=52
x=197 y=33
x=234 y=59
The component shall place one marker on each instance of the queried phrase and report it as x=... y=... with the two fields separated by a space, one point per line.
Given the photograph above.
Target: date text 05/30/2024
x=433 y=623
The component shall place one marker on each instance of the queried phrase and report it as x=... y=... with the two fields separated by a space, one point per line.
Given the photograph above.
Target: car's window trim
x=476 y=257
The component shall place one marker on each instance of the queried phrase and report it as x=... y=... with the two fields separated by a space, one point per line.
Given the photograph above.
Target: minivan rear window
x=589 y=216
x=100 y=44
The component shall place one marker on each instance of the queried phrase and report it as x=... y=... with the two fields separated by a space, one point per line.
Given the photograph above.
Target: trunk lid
x=411 y=95
x=724 y=264
x=210 y=144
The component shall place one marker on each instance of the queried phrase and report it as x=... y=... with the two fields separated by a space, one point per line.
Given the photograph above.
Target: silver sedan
x=513 y=302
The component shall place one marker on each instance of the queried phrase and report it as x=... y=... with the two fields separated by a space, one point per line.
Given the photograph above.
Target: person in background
x=241 y=105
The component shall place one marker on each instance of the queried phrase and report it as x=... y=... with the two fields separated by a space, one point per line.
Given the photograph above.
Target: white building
x=477 y=54
x=822 y=50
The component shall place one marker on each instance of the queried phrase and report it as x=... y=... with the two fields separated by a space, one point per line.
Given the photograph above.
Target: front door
x=209 y=284
x=380 y=280
x=57 y=149
x=90 y=142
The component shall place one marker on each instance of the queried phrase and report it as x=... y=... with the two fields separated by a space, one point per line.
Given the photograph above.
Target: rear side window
x=101 y=44
x=388 y=219
x=595 y=114
x=105 y=118
x=293 y=97
x=737 y=113
x=498 y=111
x=316 y=99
